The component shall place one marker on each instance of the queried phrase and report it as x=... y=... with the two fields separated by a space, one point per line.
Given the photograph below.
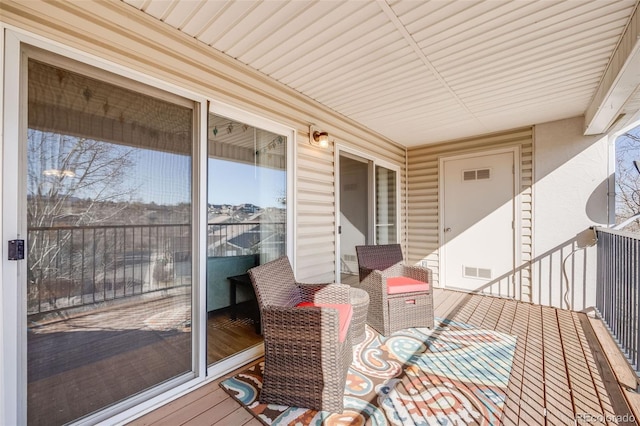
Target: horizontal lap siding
x=119 y=33
x=315 y=213
x=316 y=201
x=423 y=196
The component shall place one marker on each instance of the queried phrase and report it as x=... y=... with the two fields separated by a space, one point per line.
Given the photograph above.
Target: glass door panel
x=109 y=210
x=386 y=206
x=247 y=226
x=368 y=197
x=354 y=210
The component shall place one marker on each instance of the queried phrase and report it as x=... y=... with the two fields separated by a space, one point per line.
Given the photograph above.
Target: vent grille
x=350 y=258
x=473 y=272
x=478 y=174
x=483 y=174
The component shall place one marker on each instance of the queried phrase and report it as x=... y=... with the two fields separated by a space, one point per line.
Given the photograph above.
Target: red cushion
x=396 y=285
x=345 y=312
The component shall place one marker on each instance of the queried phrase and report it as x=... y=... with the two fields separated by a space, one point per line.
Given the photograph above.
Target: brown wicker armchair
x=306 y=362
x=400 y=296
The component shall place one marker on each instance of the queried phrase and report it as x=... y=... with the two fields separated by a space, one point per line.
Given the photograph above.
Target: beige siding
x=118 y=33
x=423 y=221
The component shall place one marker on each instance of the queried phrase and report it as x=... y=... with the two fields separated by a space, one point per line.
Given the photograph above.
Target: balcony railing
x=76 y=266
x=618 y=289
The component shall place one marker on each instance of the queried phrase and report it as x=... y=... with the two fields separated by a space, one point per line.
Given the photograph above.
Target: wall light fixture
x=318 y=137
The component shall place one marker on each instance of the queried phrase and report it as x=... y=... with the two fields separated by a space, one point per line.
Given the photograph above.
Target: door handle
x=447 y=229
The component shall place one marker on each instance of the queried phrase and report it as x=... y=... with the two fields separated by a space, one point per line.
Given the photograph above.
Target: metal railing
x=235 y=239
x=618 y=289
x=71 y=266
x=76 y=266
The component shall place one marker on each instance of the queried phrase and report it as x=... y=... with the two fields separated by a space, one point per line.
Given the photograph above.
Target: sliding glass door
x=139 y=215
x=109 y=235
x=369 y=208
x=247 y=226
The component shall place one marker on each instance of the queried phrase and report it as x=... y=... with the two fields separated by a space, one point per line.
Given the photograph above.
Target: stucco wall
x=570 y=195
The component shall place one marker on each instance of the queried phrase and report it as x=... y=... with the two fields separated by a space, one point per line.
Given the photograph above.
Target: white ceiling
x=419 y=71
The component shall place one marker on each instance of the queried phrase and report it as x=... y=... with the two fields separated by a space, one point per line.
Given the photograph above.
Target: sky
x=164 y=179
x=237 y=183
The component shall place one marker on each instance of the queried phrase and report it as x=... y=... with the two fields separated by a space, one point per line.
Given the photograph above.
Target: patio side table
x=254 y=311
x=359 y=299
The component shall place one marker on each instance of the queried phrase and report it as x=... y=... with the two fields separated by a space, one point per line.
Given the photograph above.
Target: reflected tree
x=628 y=179
x=71 y=182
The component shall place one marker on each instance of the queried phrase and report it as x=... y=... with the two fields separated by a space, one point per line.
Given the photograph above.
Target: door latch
x=16 y=249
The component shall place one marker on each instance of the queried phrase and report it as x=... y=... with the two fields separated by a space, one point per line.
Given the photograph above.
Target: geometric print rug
x=455 y=374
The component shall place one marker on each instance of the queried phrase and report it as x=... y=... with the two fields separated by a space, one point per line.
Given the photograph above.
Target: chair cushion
x=396 y=285
x=345 y=313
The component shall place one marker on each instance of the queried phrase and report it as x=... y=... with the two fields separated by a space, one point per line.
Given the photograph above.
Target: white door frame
x=517 y=215
x=349 y=151
x=13 y=408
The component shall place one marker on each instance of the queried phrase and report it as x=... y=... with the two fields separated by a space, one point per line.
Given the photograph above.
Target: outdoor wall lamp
x=318 y=137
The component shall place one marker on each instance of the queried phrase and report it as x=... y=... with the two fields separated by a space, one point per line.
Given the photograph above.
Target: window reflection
x=109 y=242
x=247 y=208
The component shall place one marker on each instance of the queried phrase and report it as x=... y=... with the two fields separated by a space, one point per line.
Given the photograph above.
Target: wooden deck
x=560 y=375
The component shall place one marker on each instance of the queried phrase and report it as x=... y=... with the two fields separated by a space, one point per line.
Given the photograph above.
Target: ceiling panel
x=414 y=71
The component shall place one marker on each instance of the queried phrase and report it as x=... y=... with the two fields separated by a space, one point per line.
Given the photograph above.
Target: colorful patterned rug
x=455 y=374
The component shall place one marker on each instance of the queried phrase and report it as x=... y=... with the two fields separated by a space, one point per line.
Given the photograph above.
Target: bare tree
x=628 y=179
x=72 y=181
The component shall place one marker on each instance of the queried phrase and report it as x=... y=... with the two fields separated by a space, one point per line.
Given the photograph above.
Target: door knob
x=447 y=229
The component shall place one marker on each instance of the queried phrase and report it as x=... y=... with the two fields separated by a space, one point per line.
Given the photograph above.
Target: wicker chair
x=306 y=363
x=392 y=307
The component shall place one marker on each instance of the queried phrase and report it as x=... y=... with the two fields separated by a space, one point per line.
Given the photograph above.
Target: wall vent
x=483 y=174
x=473 y=272
x=350 y=258
x=469 y=175
x=478 y=174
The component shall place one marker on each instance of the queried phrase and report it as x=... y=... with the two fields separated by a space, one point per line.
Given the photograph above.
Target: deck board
x=480 y=312
x=511 y=411
x=586 y=398
x=492 y=316
x=622 y=371
x=445 y=302
x=506 y=318
x=532 y=393
x=612 y=399
x=210 y=400
x=464 y=309
x=558 y=401
x=554 y=374
x=219 y=413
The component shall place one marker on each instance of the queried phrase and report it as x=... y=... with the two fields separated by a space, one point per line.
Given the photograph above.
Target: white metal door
x=477 y=218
